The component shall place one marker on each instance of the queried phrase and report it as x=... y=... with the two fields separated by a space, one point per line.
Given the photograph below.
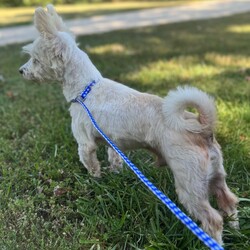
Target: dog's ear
x=27 y=48
x=58 y=22
x=44 y=23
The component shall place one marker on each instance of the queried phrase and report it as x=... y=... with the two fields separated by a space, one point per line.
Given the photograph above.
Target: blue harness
x=204 y=237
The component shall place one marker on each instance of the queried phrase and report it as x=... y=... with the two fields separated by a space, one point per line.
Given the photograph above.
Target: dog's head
x=51 y=51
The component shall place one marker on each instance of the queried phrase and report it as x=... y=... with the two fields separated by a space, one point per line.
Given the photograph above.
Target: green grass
x=48 y=200
x=24 y=15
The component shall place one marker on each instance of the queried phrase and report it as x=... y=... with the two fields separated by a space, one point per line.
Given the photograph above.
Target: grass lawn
x=47 y=198
x=24 y=15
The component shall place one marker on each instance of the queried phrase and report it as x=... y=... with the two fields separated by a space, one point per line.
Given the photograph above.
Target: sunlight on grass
x=239 y=28
x=66 y=9
x=15 y=15
x=234 y=115
x=114 y=48
x=228 y=60
x=182 y=69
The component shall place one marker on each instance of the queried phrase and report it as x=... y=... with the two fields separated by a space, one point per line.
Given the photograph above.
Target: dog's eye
x=35 y=61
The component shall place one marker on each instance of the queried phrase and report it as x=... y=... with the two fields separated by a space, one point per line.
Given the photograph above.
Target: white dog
x=182 y=140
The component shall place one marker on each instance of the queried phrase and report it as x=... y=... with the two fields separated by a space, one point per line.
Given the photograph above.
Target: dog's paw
x=234 y=224
x=96 y=174
x=116 y=168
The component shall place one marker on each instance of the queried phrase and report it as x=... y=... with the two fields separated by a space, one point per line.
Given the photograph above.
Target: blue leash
x=207 y=240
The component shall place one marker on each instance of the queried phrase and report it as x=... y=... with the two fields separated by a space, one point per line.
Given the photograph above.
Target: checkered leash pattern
x=204 y=237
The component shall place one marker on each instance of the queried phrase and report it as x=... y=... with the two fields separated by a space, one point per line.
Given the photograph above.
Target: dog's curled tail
x=176 y=116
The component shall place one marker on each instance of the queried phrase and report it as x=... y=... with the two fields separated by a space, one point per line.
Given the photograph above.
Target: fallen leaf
x=60 y=191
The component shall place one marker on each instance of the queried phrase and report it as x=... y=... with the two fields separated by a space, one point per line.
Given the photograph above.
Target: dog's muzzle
x=21 y=71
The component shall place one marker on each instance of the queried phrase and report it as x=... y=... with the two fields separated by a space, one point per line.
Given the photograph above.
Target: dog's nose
x=21 y=71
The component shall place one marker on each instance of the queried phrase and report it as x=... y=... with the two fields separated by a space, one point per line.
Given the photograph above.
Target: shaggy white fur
x=181 y=139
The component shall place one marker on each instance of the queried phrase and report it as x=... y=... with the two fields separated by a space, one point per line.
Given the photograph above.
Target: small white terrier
x=182 y=140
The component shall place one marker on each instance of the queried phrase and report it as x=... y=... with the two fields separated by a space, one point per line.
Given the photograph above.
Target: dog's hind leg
x=115 y=160
x=192 y=189
x=87 y=154
x=226 y=200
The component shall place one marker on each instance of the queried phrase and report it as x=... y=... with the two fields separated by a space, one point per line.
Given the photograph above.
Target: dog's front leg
x=86 y=142
x=115 y=160
x=87 y=154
